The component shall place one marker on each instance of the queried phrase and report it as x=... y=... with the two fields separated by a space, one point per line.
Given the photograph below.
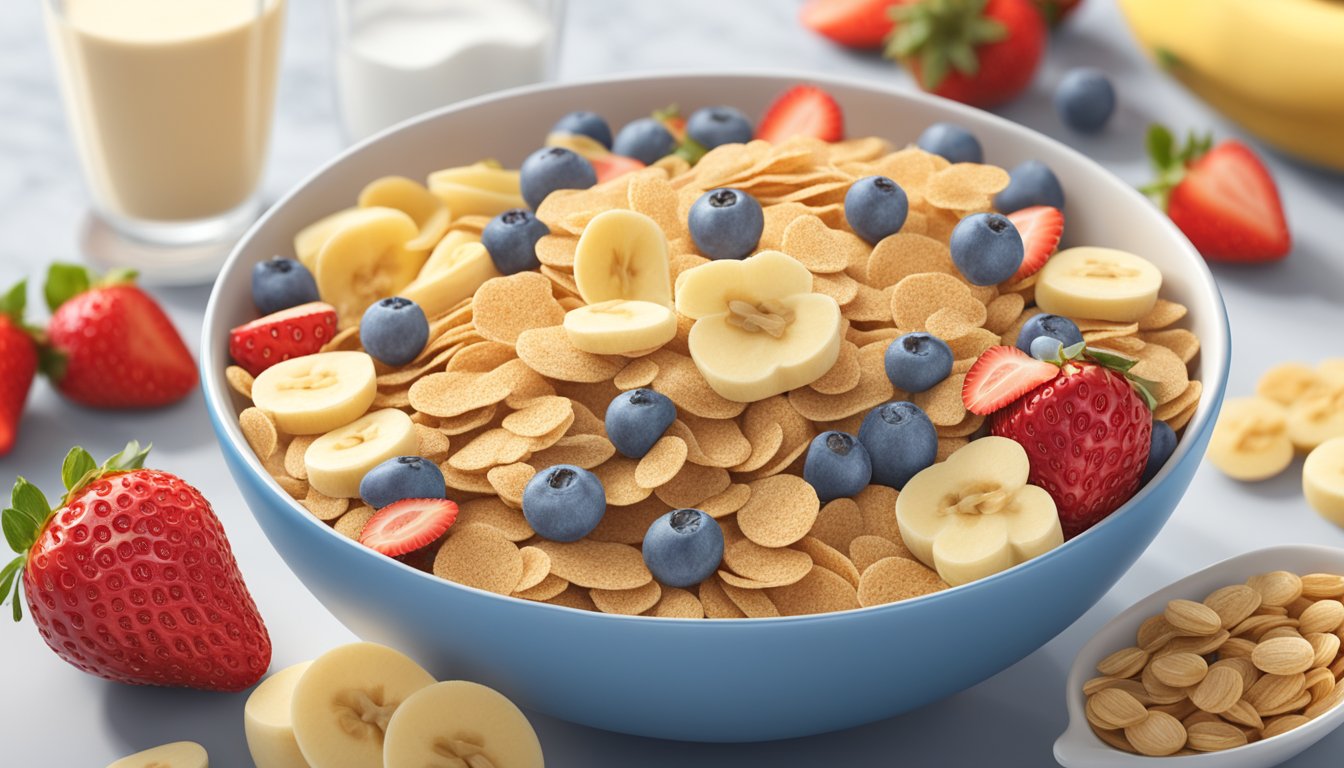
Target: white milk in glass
x=170 y=101
x=399 y=58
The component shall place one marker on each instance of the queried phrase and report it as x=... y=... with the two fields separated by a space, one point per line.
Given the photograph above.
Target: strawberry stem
x=943 y=35
x=1170 y=162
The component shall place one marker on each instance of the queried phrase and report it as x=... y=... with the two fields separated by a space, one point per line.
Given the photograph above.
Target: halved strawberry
x=279 y=336
x=1002 y=375
x=407 y=525
x=852 y=23
x=610 y=166
x=1040 y=227
x=803 y=110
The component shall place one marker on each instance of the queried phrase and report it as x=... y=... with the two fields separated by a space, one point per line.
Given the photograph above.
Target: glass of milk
x=398 y=58
x=170 y=105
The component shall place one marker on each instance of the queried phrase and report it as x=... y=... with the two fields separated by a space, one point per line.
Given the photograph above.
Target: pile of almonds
x=1250 y=662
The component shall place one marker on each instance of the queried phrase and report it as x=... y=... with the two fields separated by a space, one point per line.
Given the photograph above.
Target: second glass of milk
x=398 y=58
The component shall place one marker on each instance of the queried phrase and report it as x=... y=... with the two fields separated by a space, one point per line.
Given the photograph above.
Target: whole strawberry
x=18 y=363
x=1085 y=422
x=979 y=52
x=132 y=579
x=111 y=345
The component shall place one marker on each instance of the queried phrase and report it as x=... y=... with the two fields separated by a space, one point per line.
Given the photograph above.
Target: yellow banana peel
x=1275 y=66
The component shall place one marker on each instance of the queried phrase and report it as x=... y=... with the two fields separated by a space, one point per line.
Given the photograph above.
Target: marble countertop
x=59 y=717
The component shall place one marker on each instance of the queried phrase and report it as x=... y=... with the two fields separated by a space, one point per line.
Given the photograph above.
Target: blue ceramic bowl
x=751 y=679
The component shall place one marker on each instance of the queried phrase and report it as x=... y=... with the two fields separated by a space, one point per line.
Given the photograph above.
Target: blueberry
x=1030 y=183
x=1085 y=99
x=916 y=362
x=405 y=477
x=875 y=207
x=646 y=140
x=683 y=547
x=1160 y=449
x=588 y=124
x=511 y=239
x=713 y=126
x=1047 y=348
x=564 y=502
x=637 y=419
x=954 y=143
x=986 y=248
x=901 y=442
x=726 y=223
x=837 y=465
x=1062 y=329
x=279 y=283
x=552 y=168
x=394 y=331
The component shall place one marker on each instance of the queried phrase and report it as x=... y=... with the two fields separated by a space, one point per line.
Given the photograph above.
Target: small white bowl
x=1078 y=747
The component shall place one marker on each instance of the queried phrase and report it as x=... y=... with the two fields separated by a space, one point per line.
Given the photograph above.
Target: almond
x=1319 y=585
x=1321 y=616
x=1214 y=737
x=1283 y=724
x=1113 y=709
x=1273 y=691
x=1276 y=587
x=1283 y=656
x=1125 y=662
x=1219 y=691
x=1325 y=704
x=1242 y=713
x=1236 y=647
x=1249 y=674
x=1233 y=604
x=1155 y=632
x=1319 y=682
x=1325 y=646
x=1191 y=618
x=1296 y=705
x=1158 y=735
x=1180 y=670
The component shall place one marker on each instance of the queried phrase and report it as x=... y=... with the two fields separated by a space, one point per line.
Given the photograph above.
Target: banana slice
x=179 y=754
x=1287 y=382
x=759 y=329
x=343 y=702
x=1323 y=480
x=975 y=515
x=455 y=277
x=619 y=327
x=442 y=256
x=366 y=260
x=268 y=720
x=338 y=460
x=623 y=255
x=316 y=393
x=483 y=189
x=311 y=238
x=1098 y=283
x=411 y=198
x=1317 y=416
x=457 y=723
x=1250 y=440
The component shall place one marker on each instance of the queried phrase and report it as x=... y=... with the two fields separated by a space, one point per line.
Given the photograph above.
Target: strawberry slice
x=610 y=166
x=803 y=110
x=1040 y=227
x=1222 y=197
x=282 y=335
x=407 y=525
x=851 y=23
x=1002 y=375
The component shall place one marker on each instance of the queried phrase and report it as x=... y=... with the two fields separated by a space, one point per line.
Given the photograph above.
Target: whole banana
x=1275 y=67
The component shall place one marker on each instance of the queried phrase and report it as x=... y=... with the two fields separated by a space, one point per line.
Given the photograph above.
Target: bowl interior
x=1079 y=747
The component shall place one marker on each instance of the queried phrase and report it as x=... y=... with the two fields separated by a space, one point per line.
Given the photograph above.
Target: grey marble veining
x=56 y=716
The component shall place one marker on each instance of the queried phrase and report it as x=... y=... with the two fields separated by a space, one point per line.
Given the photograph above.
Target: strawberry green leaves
x=66 y=281
x=1169 y=161
x=944 y=35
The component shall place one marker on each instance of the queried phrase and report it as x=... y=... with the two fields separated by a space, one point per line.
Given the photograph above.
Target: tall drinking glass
x=398 y=58
x=170 y=103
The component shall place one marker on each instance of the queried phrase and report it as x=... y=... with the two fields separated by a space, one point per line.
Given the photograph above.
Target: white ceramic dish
x=1078 y=747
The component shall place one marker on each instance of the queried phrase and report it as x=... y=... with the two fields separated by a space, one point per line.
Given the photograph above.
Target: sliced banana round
x=483 y=189
x=457 y=723
x=411 y=198
x=1250 y=440
x=455 y=277
x=974 y=514
x=443 y=255
x=338 y=460
x=179 y=754
x=623 y=255
x=1286 y=382
x=1317 y=416
x=1323 y=480
x=1098 y=283
x=366 y=259
x=268 y=720
x=342 y=704
x=618 y=327
x=316 y=393
x=308 y=243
